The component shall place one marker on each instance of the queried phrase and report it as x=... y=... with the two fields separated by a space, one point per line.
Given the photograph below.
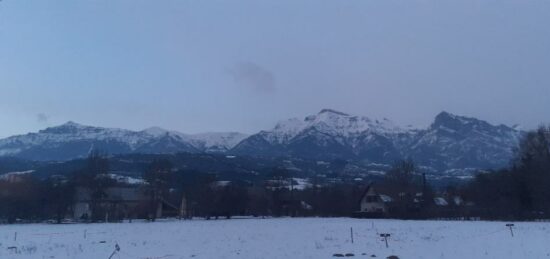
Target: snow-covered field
x=276 y=238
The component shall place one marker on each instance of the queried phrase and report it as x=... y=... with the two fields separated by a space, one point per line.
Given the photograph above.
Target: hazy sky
x=197 y=66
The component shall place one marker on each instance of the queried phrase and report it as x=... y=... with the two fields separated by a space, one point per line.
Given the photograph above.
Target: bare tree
x=94 y=178
x=158 y=176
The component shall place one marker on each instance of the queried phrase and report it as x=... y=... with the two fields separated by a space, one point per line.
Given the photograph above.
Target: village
x=96 y=194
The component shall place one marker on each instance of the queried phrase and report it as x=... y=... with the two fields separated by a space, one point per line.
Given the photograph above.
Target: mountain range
x=451 y=142
x=72 y=140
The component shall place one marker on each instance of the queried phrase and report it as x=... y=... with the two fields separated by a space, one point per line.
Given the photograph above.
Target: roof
x=385 y=198
x=440 y=201
x=366 y=191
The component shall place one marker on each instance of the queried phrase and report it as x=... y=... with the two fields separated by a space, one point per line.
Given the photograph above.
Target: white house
x=373 y=202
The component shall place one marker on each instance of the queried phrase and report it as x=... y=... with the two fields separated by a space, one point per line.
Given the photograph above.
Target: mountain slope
x=458 y=142
x=211 y=142
x=72 y=140
x=450 y=142
x=327 y=135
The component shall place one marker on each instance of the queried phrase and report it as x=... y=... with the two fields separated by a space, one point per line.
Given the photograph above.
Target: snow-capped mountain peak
x=451 y=141
x=331 y=111
x=155 y=131
x=449 y=119
x=330 y=122
x=69 y=126
x=72 y=140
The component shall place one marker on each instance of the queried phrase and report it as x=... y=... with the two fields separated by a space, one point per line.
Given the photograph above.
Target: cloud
x=253 y=76
x=42 y=118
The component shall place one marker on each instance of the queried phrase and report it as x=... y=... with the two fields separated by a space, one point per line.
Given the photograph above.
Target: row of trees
x=34 y=200
x=204 y=195
x=521 y=191
x=207 y=197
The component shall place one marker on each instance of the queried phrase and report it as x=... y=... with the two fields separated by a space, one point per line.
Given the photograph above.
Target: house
x=373 y=202
x=118 y=203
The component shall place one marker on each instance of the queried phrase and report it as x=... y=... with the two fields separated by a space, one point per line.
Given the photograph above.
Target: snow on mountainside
x=450 y=142
x=329 y=134
x=329 y=122
x=68 y=141
x=217 y=142
x=455 y=142
x=72 y=140
x=68 y=132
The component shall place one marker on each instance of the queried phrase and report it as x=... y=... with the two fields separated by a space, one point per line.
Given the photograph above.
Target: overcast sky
x=198 y=66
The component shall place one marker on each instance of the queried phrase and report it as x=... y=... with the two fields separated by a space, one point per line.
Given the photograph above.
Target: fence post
x=511 y=231
x=385 y=236
x=117 y=248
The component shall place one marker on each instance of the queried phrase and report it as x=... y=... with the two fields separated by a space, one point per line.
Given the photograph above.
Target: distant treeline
x=520 y=192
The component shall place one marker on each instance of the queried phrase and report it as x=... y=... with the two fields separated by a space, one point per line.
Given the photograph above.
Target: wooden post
x=351 y=232
x=15 y=236
x=117 y=248
x=385 y=236
x=511 y=231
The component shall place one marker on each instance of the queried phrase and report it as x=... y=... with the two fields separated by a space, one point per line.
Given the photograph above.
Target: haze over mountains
x=450 y=142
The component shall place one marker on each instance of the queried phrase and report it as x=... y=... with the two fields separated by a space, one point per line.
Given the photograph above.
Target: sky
x=202 y=66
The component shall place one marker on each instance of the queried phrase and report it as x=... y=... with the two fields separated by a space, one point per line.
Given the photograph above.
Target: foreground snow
x=276 y=238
